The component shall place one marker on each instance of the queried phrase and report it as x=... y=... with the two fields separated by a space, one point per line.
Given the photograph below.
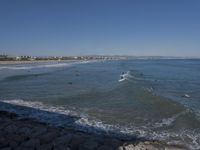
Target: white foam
x=37 y=66
x=46 y=113
x=169 y=121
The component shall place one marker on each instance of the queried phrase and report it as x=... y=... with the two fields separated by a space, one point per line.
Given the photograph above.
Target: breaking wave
x=38 y=66
x=65 y=117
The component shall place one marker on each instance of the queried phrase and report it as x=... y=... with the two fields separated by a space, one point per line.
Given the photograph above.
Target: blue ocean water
x=159 y=98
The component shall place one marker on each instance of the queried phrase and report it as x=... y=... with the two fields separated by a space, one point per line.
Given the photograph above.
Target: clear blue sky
x=81 y=27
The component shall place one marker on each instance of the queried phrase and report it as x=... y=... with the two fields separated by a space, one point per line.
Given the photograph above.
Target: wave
x=57 y=116
x=38 y=66
x=169 y=121
x=24 y=76
x=65 y=117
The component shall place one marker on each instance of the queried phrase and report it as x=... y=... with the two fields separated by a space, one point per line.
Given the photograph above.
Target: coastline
x=26 y=133
x=34 y=62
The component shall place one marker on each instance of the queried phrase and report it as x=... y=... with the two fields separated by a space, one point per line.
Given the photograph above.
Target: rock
x=25 y=130
x=104 y=147
x=174 y=148
x=8 y=114
x=24 y=148
x=37 y=131
x=11 y=129
x=61 y=147
x=13 y=144
x=32 y=143
x=3 y=142
x=45 y=147
x=48 y=137
x=120 y=148
x=6 y=148
x=89 y=145
x=19 y=138
x=130 y=147
x=76 y=141
x=63 y=140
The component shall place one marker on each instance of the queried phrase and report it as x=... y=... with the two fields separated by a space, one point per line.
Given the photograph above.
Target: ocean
x=158 y=99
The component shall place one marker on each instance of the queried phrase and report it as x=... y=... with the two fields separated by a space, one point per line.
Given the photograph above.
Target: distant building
x=4 y=57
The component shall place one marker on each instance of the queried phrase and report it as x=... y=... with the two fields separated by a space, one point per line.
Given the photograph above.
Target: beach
x=33 y=62
x=29 y=134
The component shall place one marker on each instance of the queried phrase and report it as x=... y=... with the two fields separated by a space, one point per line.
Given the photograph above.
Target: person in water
x=122 y=77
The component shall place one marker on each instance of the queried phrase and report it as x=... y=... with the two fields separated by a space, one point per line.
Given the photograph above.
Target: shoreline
x=17 y=133
x=35 y=62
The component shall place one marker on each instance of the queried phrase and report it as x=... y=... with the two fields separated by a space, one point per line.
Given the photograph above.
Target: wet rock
x=6 y=148
x=61 y=147
x=25 y=130
x=3 y=142
x=104 y=147
x=63 y=140
x=13 y=144
x=32 y=143
x=24 y=148
x=19 y=138
x=8 y=114
x=89 y=145
x=11 y=129
x=48 y=137
x=46 y=147
x=115 y=143
x=76 y=141
x=37 y=131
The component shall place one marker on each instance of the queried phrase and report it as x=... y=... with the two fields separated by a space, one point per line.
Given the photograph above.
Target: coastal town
x=6 y=57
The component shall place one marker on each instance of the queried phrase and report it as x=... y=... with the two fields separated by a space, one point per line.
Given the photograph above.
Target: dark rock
x=76 y=141
x=6 y=148
x=8 y=114
x=48 y=146
x=89 y=145
x=32 y=143
x=63 y=140
x=24 y=148
x=3 y=142
x=48 y=137
x=25 y=130
x=61 y=147
x=104 y=147
x=19 y=138
x=38 y=131
x=11 y=129
x=13 y=144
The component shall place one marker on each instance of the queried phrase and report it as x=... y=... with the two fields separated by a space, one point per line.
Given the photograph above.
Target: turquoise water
x=159 y=99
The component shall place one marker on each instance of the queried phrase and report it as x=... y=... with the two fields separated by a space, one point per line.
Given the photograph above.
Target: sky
x=102 y=27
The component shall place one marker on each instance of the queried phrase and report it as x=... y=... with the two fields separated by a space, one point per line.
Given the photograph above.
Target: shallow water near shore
x=158 y=100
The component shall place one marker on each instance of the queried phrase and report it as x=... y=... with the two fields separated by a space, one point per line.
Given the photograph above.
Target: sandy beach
x=33 y=62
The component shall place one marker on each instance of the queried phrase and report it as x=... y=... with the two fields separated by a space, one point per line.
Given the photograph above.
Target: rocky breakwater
x=29 y=134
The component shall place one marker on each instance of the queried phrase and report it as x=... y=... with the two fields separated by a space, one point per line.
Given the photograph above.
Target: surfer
x=122 y=77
